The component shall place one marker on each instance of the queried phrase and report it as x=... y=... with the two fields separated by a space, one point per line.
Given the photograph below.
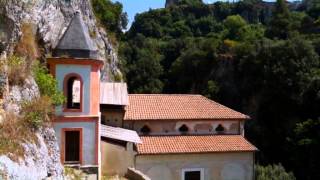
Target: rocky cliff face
x=50 y=19
x=41 y=160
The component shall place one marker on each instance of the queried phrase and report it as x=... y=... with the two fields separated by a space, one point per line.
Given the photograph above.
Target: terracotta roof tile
x=193 y=144
x=170 y=107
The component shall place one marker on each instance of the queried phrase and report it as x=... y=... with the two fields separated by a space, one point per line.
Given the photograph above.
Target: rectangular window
x=193 y=174
x=72 y=146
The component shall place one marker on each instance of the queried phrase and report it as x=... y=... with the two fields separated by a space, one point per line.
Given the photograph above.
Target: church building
x=103 y=130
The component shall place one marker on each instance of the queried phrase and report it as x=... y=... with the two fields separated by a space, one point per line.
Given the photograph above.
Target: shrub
x=27 y=45
x=73 y=173
x=273 y=172
x=36 y=112
x=48 y=85
x=17 y=70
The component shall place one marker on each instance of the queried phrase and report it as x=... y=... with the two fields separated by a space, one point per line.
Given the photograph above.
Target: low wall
x=134 y=174
x=116 y=158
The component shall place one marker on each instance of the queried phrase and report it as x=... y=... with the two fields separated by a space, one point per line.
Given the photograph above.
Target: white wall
x=216 y=166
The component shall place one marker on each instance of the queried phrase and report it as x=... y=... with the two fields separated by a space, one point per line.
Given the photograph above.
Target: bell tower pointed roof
x=76 y=41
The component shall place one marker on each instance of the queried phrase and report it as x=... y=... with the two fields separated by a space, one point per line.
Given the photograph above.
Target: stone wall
x=116 y=158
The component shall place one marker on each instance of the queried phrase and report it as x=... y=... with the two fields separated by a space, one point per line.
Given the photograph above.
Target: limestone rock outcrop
x=50 y=19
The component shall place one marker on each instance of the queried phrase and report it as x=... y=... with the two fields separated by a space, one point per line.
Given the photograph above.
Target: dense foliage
x=48 y=85
x=259 y=59
x=110 y=15
x=272 y=172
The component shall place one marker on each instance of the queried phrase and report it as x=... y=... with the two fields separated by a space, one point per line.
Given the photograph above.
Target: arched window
x=184 y=128
x=145 y=129
x=73 y=91
x=219 y=129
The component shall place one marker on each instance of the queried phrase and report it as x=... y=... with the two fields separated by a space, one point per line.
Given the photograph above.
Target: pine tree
x=280 y=25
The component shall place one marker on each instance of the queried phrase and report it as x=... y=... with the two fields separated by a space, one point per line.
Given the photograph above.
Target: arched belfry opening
x=220 y=129
x=73 y=92
x=184 y=128
x=145 y=129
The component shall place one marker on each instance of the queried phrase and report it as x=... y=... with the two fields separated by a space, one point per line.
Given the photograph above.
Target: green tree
x=272 y=172
x=194 y=67
x=110 y=15
x=233 y=24
x=142 y=66
x=305 y=145
x=280 y=26
x=234 y=53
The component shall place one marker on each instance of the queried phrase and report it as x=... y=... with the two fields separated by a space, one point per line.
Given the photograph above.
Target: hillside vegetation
x=258 y=59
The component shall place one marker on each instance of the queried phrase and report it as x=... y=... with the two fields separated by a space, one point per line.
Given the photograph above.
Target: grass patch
x=73 y=173
x=36 y=112
x=27 y=45
x=19 y=66
x=18 y=129
x=116 y=177
x=17 y=70
x=14 y=132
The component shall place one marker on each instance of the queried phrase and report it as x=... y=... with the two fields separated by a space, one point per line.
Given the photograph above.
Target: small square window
x=193 y=174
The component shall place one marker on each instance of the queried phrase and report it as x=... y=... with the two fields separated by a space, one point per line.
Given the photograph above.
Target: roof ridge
x=219 y=104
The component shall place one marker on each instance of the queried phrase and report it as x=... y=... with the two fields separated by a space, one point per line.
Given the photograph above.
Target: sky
x=132 y=7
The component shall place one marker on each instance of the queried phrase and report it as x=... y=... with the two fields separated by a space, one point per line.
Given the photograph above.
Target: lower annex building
x=183 y=137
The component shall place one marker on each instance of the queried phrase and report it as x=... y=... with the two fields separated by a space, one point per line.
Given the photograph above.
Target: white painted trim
x=192 y=169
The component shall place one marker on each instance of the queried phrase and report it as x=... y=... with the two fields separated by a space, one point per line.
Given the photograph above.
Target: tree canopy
x=258 y=59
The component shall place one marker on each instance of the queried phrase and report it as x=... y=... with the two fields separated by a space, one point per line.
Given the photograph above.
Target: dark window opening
x=192 y=175
x=103 y=119
x=73 y=93
x=184 y=129
x=72 y=147
x=145 y=129
x=220 y=128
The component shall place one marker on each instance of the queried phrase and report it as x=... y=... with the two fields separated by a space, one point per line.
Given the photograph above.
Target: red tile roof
x=152 y=145
x=170 y=107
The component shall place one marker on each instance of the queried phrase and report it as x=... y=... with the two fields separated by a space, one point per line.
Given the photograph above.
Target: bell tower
x=77 y=122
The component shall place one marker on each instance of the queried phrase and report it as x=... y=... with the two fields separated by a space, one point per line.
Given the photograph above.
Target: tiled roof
x=177 y=106
x=193 y=144
x=119 y=134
